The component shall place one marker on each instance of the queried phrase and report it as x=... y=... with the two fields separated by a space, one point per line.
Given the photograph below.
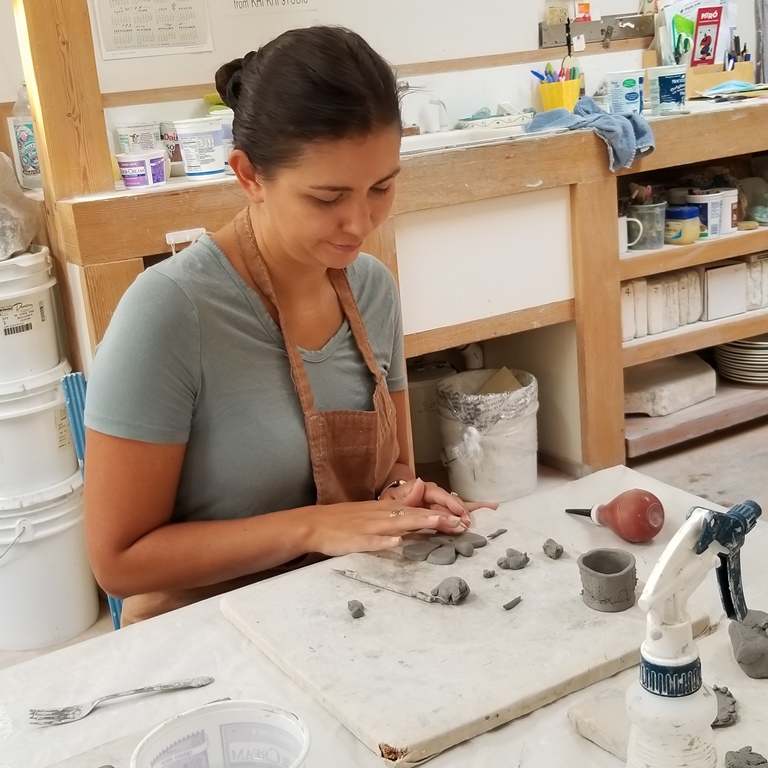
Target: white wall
x=10 y=59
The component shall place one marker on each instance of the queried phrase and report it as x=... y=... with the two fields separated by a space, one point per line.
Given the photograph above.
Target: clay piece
x=356 y=608
x=552 y=549
x=726 y=708
x=475 y=539
x=419 y=550
x=489 y=574
x=749 y=639
x=608 y=578
x=444 y=555
x=512 y=603
x=744 y=758
x=464 y=548
x=514 y=560
x=496 y=533
x=451 y=591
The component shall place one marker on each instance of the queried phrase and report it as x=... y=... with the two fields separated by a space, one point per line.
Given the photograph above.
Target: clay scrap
x=419 y=550
x=726 y=708
x=489 y=573
x=451 y=591
x=514 y=560
x=744 y=758
x=512 y=603
x=444 y=555
x=552 y=549
x=749 y=639
x=496 y=533
x=442 y=549
x=356 y=608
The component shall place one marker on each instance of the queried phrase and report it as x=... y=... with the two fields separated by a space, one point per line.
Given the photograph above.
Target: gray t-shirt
x=192 y=356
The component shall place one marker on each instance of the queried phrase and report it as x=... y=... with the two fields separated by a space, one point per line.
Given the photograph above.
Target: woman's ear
x=249 y=178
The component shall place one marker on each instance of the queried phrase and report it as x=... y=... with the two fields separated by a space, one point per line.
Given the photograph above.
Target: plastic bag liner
x=19 y=220
x=489 y=440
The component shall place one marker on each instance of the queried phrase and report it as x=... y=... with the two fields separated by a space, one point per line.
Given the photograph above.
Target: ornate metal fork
x=79 y=711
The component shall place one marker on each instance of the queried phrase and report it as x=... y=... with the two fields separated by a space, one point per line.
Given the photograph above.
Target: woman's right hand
x=371 y=526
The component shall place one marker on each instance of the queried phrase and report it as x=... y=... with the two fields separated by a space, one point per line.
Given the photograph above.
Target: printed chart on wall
x=253 y=7
x=135 y=28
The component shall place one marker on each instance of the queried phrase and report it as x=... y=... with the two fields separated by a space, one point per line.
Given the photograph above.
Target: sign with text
x=250 y=7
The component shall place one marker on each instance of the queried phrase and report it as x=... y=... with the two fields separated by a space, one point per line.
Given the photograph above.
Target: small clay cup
x=608 y=578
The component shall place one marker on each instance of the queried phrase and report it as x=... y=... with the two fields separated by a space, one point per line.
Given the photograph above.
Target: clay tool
x=635 y=515
x=418 y=595
x=569 y=60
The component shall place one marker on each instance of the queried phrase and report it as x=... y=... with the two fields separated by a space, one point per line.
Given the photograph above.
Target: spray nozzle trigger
x=729 y=530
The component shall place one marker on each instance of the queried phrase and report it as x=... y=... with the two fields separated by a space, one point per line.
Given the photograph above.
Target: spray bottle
x=671 y=710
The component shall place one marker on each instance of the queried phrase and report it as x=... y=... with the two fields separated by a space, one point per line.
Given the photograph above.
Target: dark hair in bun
x=312 y=84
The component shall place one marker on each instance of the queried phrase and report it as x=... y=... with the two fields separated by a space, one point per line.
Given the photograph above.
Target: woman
x=246 y=407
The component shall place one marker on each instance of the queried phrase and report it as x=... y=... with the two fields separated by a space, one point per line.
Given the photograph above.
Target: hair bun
x=229 y=77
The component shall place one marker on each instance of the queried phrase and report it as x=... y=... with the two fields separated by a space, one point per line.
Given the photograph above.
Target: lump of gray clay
x=419 y=550
x=496 y=533
x=475 y=539
x=512 y=603
x=444 y=555
x=356 y=608
x=749 y=639
x=514 y=560
x=744 y=758
x=726 y=708
x=552 y=549
x=464 y=548
x=489 y=574
x=451 y=591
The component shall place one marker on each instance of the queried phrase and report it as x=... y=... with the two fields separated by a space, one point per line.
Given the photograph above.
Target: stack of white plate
x=745 y=360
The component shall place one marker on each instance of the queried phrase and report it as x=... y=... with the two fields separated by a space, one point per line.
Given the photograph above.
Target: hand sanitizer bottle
x=24 y=132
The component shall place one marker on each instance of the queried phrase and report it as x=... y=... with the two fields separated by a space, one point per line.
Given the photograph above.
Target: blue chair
x=73 y=385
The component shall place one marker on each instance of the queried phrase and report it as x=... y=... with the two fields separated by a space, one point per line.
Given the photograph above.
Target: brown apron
x=352 y=452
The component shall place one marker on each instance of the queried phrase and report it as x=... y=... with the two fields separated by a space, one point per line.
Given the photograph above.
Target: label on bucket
x=63 y=432
x=21 y=316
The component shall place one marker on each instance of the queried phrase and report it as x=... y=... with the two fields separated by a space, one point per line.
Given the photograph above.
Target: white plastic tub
x=28 y=339
x=36 y=446
x=625 y=91
x=47 y=592
x=202 y=146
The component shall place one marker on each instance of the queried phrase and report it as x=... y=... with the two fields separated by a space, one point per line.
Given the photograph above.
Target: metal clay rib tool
x=373 y=582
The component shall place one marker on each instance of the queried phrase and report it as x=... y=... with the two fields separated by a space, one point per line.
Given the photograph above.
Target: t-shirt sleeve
x=396 y=378
x=145 y=375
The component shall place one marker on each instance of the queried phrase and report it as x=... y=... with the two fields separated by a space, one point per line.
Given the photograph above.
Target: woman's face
x=323 y=207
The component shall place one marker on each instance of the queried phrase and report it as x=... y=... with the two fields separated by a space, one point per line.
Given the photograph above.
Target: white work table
x=198 y=640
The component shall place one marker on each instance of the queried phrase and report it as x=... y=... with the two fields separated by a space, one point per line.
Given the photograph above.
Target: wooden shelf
x=695 y=336
x=672 y=257
x=733 y=404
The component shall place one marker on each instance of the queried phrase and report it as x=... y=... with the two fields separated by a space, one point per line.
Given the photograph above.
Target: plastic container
x=28 y=338
x=227 y=733
x=729 y=213
x=652 y=217
x=489 y=440
x=139 y=137
x=710 y=205
x=678 y=195
x=683 y=225
x=143 y=169
x=227 y=119
x=560 y=95
x=170 y=141
x=34 y=422
x=425 y=424
x=202 y=146
x=47 y=592
x=666 y=86
x=625 y=91
x=26 y=145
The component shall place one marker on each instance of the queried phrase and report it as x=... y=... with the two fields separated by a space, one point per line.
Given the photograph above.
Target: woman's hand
x=418 y=493
x=370 y=526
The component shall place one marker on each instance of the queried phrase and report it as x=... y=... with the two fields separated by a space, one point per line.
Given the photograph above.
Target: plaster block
x=695 y=296
x=627 y=312
x=655 y=295
x=668 y=385
x=754 y=285
x=641 y=307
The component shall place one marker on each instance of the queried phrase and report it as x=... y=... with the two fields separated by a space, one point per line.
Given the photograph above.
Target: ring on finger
x=453 y=493
x=397 y=512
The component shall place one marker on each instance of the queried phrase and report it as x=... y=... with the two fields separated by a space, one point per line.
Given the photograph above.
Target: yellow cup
x=562 y=94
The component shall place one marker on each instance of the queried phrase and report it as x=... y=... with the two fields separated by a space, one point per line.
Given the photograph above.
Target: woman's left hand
x=418 y=493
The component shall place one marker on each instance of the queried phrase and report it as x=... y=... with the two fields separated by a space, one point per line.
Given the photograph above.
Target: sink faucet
x=442 y=112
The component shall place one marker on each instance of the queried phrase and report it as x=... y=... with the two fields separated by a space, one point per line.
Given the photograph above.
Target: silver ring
x=453 y=493
x=397 y=512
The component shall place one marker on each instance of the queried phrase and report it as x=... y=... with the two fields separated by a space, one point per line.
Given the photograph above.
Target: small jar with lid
x=682 y=225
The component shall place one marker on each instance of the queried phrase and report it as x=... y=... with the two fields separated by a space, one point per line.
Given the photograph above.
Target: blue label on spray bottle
x=25 y=141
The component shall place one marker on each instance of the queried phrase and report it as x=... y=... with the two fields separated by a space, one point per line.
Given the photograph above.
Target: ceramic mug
x=624 y=243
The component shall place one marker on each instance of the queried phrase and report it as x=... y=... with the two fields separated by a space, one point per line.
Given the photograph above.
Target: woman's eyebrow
x=334 y=188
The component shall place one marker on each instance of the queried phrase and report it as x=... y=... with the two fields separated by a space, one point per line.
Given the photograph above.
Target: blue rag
x=626 y=136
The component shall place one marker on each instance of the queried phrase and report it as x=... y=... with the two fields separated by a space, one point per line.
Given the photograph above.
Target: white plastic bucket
x=710 y=205
x=489 y=441
x=139 y=137
x=36 y=447
x=666 y=86
x=202 y=146
x=28 y=340
x=729 y=215
x=171 y=142
x=227 y=733
x=625 y=91
x=47 y=592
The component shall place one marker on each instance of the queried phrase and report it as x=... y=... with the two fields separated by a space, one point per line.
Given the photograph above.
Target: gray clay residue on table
x=451 y=591
x=552 y=549
x=749 y=639
x=356 y=608
x=726 y=708
x=442 y=549
x=512 y=603
x=489 y=573
x=497 y=533
x=744 y=758
x=514 y=560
